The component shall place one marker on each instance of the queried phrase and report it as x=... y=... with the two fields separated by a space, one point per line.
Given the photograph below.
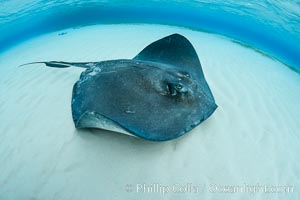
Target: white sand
x=252 y=138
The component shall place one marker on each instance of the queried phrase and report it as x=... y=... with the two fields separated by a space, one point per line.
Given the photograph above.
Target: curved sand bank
x=252 y=138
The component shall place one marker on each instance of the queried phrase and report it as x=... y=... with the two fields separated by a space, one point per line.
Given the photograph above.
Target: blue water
x=271 y=26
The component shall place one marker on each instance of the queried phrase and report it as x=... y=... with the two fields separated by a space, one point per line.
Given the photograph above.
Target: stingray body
x=158 y=95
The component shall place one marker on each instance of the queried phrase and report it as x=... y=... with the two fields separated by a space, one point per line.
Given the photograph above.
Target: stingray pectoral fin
x=61 y=64
x=175 y=50
x=95 y=120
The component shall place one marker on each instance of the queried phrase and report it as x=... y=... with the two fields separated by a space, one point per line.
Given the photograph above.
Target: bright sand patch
x=252 y=138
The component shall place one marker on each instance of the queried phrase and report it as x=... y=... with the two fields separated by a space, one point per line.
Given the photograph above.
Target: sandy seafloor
x=252 y=138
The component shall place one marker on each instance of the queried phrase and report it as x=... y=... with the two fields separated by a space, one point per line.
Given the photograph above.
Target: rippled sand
x=252 y=138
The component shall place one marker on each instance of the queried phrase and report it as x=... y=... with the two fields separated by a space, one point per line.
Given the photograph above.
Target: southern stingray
x=158 y=95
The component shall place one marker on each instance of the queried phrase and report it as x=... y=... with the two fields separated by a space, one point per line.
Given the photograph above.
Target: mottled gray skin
x=159 y=95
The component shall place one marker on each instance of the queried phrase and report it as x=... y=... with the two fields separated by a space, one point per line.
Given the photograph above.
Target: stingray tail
x=61 y=64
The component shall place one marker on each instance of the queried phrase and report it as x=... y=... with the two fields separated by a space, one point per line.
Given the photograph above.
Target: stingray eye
x=178 y=87
x=182 y=88
x=187 y=75
x=184 y=74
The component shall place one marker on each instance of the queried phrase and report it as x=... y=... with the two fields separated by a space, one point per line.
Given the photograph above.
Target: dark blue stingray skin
x=159 y=95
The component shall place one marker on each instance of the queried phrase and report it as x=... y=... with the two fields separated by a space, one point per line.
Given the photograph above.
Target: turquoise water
x=271 y=26
x=252 y=138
